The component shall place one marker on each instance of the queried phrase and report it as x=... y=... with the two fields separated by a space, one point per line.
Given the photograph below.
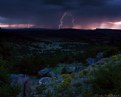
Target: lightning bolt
x=62 y=18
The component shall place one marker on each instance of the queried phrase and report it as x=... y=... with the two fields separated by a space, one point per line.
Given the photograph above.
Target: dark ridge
x=67 y=34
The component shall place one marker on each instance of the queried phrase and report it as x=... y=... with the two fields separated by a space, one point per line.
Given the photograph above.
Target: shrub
x=83 y=72
x=6 y=89
x=29 y=64
x=107 y=78
x=41 y=88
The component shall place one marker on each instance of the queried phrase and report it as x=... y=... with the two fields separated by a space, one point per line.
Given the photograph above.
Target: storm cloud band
x=47 y=13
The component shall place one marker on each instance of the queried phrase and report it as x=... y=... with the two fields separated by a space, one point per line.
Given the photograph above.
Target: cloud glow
x=16 y=25
x=103 y=25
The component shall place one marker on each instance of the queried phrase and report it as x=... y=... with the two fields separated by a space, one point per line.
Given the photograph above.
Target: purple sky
x=85 y=14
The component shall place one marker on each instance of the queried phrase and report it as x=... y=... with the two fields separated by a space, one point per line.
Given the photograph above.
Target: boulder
x=53 y=74
x=45 y=80
x=99 y=56
x=91 y=61
x=70 y=69
x=18 y=79
x=79 y=68
x=24 y=82
x=43 y=72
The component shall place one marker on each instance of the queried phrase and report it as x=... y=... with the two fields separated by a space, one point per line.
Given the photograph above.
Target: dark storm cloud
x=93 y=2
x=54 y=2
x=48 y=12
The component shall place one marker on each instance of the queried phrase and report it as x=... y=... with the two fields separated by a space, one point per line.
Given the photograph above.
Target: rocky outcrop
x=92 y=61
x=25 y=83
x=45 y=80
x=43 y=72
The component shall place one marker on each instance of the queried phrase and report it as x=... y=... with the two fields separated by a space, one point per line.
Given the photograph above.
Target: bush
x=6 y=89
x=106 y=79
x=29 y=64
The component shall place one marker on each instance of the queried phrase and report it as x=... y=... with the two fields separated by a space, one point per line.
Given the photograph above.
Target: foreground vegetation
x=6 y=89
x=102 y=79
x=29 y=56
x=21 y=59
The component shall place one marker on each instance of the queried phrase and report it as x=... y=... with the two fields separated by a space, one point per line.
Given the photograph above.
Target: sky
x=57 y=14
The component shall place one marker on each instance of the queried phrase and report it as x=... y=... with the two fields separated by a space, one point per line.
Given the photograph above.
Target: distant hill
x=98 y=35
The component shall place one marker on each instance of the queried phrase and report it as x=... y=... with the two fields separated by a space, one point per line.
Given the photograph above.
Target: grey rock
x=45 y=80
x=43 y=72
x=18 y=79
x=79 y=68
x=91 y=61
x=53 y=74
x=99 y=56
x=24 y=82
x=71 y=68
